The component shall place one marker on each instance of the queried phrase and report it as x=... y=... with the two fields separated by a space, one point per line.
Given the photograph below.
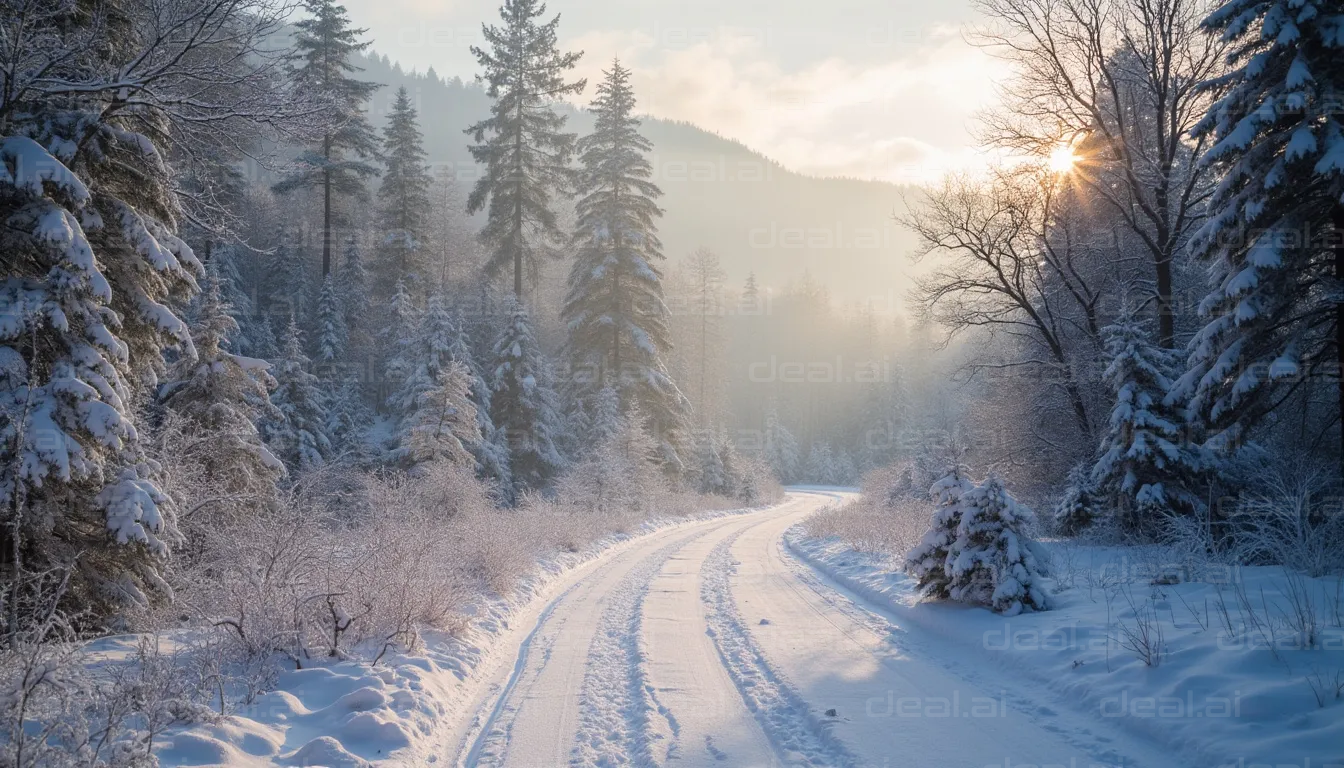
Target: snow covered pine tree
x=221 y=396
x=992 y=561
x=1276 y=224
x=928 y=561
x=524 y=404
x=90 y=105
x=436 y=418
x=1147 y=463
x=299 y=433
x=614 y=310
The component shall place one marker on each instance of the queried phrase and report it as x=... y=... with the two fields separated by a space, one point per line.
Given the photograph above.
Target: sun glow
x=1062 y=159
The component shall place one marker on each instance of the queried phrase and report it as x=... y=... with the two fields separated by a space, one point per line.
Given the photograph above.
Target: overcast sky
x=870 y=88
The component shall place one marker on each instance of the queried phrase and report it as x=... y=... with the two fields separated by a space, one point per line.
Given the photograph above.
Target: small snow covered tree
x=332 y=334
x=440 y=420
x=404 y=195
x=616 y=316
x=821 y=468
x=347 y=414
x=400 y=322
x=1078 y=506
x=490 y=450
x=781 y=448
x=286 y=289
x=436 y=418
x=522 y=145
x=711 y=474
x=326 y=45
x=992 y=561
x=225 y=265
x=1147 y=462
x=618 y=474
x=523 y=403
x=604 y=416
x=1275 y=230
x=220 y=396
x=928 y=562
x=298 y=433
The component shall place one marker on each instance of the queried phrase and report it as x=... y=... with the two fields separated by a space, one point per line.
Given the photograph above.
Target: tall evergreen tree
x=325 y=44
x=298 y=431
x=1147 y=463
x=1276 y=224
x=523 y=403
x=615 y=312
x=522 y=145
x=405 y=200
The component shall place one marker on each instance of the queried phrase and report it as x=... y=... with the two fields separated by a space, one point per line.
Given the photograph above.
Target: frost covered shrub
x=344 y=566
x=977 y=549
x=62 y=705
x=1290 y=521
x=885 y=519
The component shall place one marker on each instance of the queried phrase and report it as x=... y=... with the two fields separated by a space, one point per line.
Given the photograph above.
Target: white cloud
x=903 y=119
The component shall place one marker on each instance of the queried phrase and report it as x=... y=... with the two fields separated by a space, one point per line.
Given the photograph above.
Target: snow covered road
x=709 y=644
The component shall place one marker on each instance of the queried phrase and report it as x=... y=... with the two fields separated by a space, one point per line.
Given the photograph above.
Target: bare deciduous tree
x=1117 y=81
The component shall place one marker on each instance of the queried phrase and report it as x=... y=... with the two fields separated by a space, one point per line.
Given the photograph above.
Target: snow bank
x=1247 y=663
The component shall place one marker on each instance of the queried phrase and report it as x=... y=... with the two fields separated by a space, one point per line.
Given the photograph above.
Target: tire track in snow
x=621 y=721
x=798 y=735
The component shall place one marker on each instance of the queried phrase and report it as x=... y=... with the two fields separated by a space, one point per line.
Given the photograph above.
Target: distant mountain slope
x=757 y=215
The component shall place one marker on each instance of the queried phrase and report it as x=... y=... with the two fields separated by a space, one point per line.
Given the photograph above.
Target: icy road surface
x=708 y=644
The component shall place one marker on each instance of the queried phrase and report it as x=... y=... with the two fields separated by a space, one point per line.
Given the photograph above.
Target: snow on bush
x=885 y=519
x=977 y=549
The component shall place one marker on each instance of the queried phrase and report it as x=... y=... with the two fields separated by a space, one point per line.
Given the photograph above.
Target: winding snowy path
x=708 y=644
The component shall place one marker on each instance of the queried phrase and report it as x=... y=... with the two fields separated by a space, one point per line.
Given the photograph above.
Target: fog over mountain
x=719 y=194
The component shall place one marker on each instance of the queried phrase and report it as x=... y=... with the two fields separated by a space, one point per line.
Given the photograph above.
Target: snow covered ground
x=713 y=645
x=1256 y=685
x=404 y=710
x=735 y=640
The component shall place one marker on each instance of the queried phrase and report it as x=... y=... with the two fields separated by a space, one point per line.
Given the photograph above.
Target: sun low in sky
x=883 y=90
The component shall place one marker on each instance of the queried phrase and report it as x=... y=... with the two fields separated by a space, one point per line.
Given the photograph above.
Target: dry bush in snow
x=889 y=518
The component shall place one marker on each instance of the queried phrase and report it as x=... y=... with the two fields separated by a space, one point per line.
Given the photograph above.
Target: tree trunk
x=1166 y=319
x=326 y=207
